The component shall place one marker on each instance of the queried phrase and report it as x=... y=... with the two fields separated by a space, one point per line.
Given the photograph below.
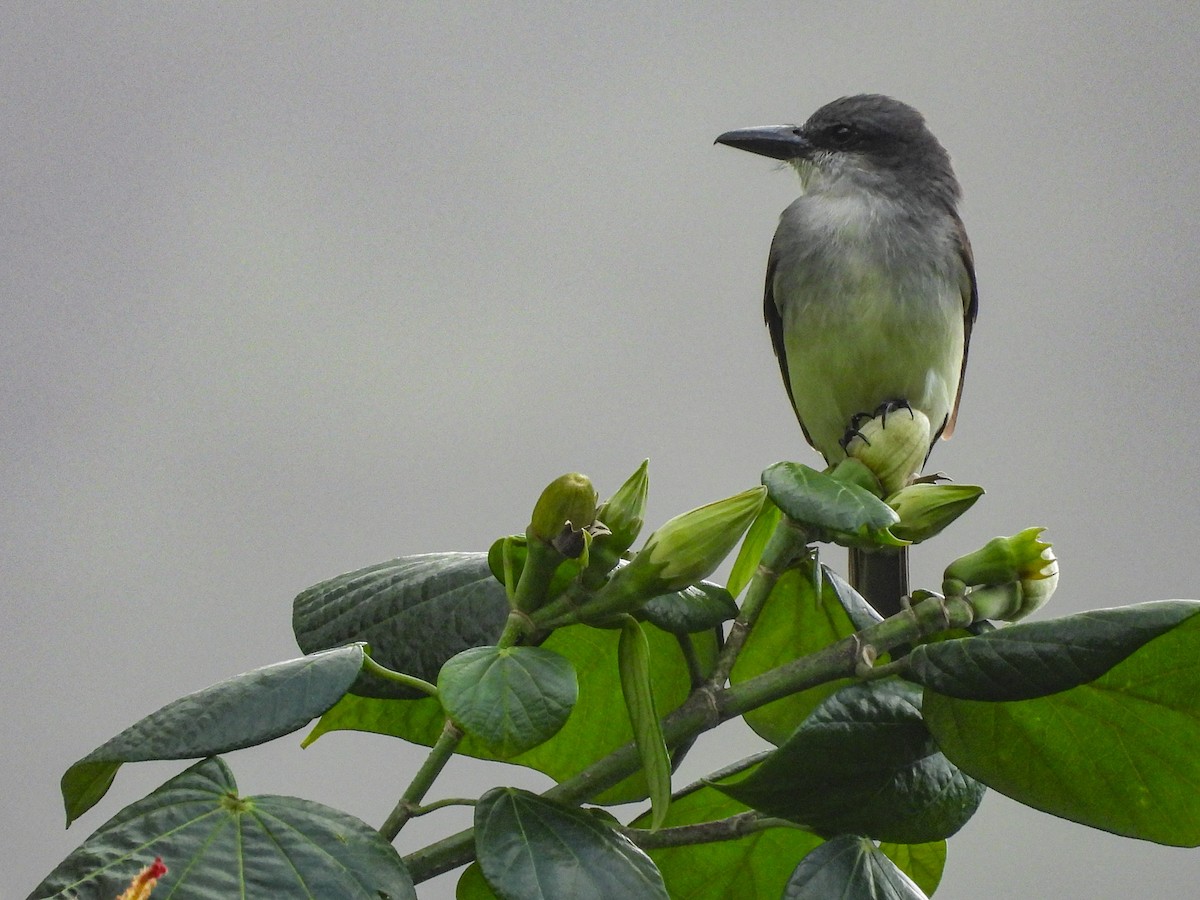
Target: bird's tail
x=881 y=576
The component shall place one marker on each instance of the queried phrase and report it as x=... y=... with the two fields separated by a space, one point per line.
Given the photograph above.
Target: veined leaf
x=794 y=622
x=1117 y=753
x=415 y=613
x=815 y=499
x=529 y=847
x=1034 y=659
x=512 y=699
x=696 y=608
x=217 y=844
x=850 y=866
x=864 y=763
x=243 y=711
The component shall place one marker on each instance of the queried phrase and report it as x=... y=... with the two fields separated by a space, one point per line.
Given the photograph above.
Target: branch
x=702 y=711
x=409 y=805
x=729 y=829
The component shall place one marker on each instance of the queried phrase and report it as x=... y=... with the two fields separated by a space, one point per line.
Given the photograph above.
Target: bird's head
x=868 y=141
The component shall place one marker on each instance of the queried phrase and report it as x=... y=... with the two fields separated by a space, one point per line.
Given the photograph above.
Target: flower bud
x=683 y=551
x=893 y=446
x=689 y=547
x=1007 y=578
x=567 y=503
x=624 y=512
x=925 y=509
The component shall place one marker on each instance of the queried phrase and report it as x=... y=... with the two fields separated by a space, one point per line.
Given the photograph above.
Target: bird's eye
x=842 y=135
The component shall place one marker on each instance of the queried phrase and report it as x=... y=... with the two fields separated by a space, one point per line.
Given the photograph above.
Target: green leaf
x=243 y=711
x=861 y=613
x=756 y=865
x=633 y=661
x=850 y=866
x=759 y=863
x=415 y=612
x=597 y=725
x=753 y=545
x=217 y=844
x=530 y=847
x=512 y=698
x=793 y=623
x=1034 y=659
x=696 y=608
x=1118 y=753
x=923 y=863
x=815 y=499
x=864 y=763
x=473 y=886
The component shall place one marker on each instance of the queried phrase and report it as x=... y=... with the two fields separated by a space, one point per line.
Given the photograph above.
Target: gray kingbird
x=870 y=294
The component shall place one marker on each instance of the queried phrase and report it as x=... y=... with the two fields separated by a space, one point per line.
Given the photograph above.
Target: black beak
x=776 y=141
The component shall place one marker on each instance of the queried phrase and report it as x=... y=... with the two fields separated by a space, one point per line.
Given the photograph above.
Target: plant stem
x=442 y=804
x=411 y=681
x=561 y=610
x=409 y=804
x=541 y=560
x=687 y=648
x=540 y=563
x=727 y=829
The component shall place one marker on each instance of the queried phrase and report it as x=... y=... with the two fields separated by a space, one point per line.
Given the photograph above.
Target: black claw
x=858 y=418
x=851 y=434
x=881 y=413
x=890 y=406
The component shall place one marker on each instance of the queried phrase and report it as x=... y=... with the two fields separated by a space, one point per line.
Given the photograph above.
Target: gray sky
x=289 y=290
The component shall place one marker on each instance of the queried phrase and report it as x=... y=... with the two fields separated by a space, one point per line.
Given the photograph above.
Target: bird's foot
x=881 y=412
x=851 y=434
x=890 y=406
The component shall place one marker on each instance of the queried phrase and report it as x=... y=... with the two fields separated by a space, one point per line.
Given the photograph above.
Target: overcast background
x=288 y=290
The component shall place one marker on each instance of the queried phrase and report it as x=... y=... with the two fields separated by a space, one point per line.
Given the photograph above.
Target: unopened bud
x=624 y=512
x=683 y=551
x=567 y=503
x=893 y=445
x=925 y=509
x=1007 y=578
x=689 y=547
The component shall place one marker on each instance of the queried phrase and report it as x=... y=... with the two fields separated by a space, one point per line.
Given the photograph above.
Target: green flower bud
x=689 y=547
x=683 y=551
x=568 y=503
x=624 y=512
x=893 y=446
x=1007 y=578
x=925 y=508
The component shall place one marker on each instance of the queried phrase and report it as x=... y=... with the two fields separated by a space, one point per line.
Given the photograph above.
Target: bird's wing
x=775 y=325
x=970 y=297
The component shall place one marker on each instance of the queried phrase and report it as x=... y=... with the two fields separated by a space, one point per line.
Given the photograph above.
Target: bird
x=870 y=294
